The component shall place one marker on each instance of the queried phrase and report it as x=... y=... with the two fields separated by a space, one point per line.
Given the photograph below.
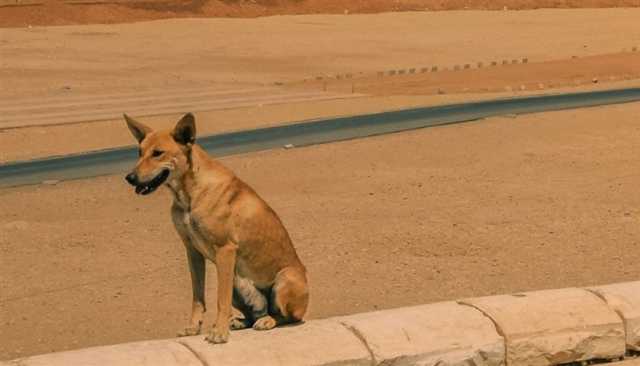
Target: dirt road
x=497 y=206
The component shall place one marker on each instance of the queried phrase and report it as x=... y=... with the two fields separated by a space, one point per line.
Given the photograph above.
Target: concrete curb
x=554 y=327
x=536 y=328
x=624 y=299
x=436 y=334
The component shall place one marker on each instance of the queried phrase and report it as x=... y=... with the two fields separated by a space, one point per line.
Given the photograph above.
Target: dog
x=220 y=218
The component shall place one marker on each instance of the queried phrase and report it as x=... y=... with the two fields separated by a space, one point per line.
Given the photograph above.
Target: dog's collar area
x=179 y=196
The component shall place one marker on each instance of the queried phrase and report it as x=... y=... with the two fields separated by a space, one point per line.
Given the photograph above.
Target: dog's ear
x=185 y=131
x=138 y=130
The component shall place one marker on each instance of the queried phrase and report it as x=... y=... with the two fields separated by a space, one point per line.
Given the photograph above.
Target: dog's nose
x=132 y=178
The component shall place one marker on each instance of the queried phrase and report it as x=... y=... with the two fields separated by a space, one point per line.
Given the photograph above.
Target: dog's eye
x=157 y=153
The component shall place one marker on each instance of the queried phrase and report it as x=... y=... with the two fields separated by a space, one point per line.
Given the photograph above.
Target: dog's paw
x=238 y=324
x=217 y=336
x=265 y=323
x=189 y=331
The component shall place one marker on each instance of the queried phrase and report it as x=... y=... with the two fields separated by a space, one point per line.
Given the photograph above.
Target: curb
x=554 y=326
x=624 y=299
x=550 y=327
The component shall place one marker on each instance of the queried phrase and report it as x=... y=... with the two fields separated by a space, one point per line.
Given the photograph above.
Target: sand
x=234 y=53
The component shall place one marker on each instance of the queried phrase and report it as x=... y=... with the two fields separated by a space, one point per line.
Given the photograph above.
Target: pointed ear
x=138 y=130
x=185 y=131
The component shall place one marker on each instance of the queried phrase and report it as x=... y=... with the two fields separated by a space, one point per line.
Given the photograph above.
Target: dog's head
x=163 y=155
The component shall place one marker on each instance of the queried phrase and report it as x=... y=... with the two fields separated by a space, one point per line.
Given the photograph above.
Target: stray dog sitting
x=220 y=218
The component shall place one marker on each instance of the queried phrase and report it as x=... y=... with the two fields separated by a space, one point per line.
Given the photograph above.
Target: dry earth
x=497 y=206
x=59 y=12
x=234 y=53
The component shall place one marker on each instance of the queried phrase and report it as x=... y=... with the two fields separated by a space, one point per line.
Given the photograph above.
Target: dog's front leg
x=225 y=265
x=197 y=267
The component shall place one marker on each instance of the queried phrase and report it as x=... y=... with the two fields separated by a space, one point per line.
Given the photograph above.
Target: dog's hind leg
x=288 y=301
x=250 y=301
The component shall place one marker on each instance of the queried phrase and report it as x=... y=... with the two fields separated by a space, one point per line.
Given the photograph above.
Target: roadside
x=500 y=206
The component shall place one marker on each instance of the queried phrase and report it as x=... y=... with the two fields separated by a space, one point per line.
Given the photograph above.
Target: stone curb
x=534 y=328
x=624 y=299
x=436 y=334
x=160 y=353
x=554 y=326
x=322 y=342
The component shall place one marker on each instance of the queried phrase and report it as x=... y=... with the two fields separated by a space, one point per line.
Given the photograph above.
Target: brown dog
x=222 y=219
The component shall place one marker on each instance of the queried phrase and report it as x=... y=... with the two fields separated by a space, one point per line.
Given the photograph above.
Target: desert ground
x=39 y=62
x=495 y=206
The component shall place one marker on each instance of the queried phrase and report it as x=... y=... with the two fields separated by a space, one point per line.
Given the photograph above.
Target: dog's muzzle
x=147 y=187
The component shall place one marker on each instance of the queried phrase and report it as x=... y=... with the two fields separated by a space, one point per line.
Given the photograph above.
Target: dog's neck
x=203 y=171
x=180 y=195
x=181 y=186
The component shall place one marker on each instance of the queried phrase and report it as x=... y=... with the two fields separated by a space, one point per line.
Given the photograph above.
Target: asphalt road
x=118 y=160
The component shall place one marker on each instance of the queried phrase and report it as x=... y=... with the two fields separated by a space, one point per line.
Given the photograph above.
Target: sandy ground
x=89 y=59
x=58 y=12
x=501 y=205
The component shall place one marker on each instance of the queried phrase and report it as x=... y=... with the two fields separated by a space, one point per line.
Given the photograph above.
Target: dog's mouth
x=150 y=186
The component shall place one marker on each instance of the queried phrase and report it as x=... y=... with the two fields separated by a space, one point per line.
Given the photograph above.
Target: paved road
x=306 y=133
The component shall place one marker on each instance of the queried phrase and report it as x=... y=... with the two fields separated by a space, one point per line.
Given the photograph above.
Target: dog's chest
x=186 y=220
x=204 y=240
